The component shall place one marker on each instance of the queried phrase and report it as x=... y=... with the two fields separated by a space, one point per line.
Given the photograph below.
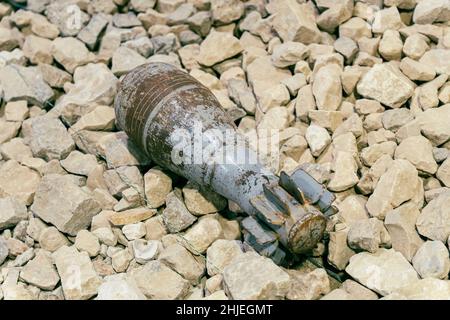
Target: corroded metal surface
x=155 y=100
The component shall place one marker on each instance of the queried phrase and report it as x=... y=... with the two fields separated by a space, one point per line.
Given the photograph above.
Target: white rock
x=200 y=202
x=144 y=250
x=101 y=118
x=443 y=173
x=432 y=260
x=437 y=59
x=156 y=281
x=124 y=60
x=71 y=53
x=18 y=181
x=386 y=84
x=119 y=287
x=427 y=12
x=40 y=272
x=134 y=231
x=296 y=22
x=16 y=110
x=4 y=250
x=345 y=168
x=327 y=87
x=94 y=84
x=119 y=150
x=121 y=259
x=202 y=234
x=79 y=163
x=243 y=283
x=217 y=47
x=426 y=289
x=51 y=239
x=384 y=271
x=226 y=11
x=61 y=202
x=288 y=53
x=106 y=236
x=48 y=138
x=434 y=220
x=401 y=225
x=86 y=241
x=220 y=254
x=78 y=277
x=179 y=259
x=308 y=286
x=419 y=151
x=398 y=184
x=24 y=83
x=318 y=139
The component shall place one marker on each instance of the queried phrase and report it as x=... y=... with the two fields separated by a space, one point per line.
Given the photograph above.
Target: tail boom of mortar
x=158 y=106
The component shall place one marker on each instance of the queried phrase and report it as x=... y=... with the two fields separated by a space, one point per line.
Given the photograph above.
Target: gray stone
x=71 y=53
x=367 y=235
x=18 y=181
x=401 y=225
x=48 y=138
x=4 y=250
x=125 y=20
x=24 y=83
x=40 y=272
x=125 y=59
x=67 y=16
x=176 y=216
x=143 y=46
x=12 y=212
x=94 y=85
x=91 y=33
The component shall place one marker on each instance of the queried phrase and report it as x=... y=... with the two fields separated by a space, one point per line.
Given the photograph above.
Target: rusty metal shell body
x=157 y=100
